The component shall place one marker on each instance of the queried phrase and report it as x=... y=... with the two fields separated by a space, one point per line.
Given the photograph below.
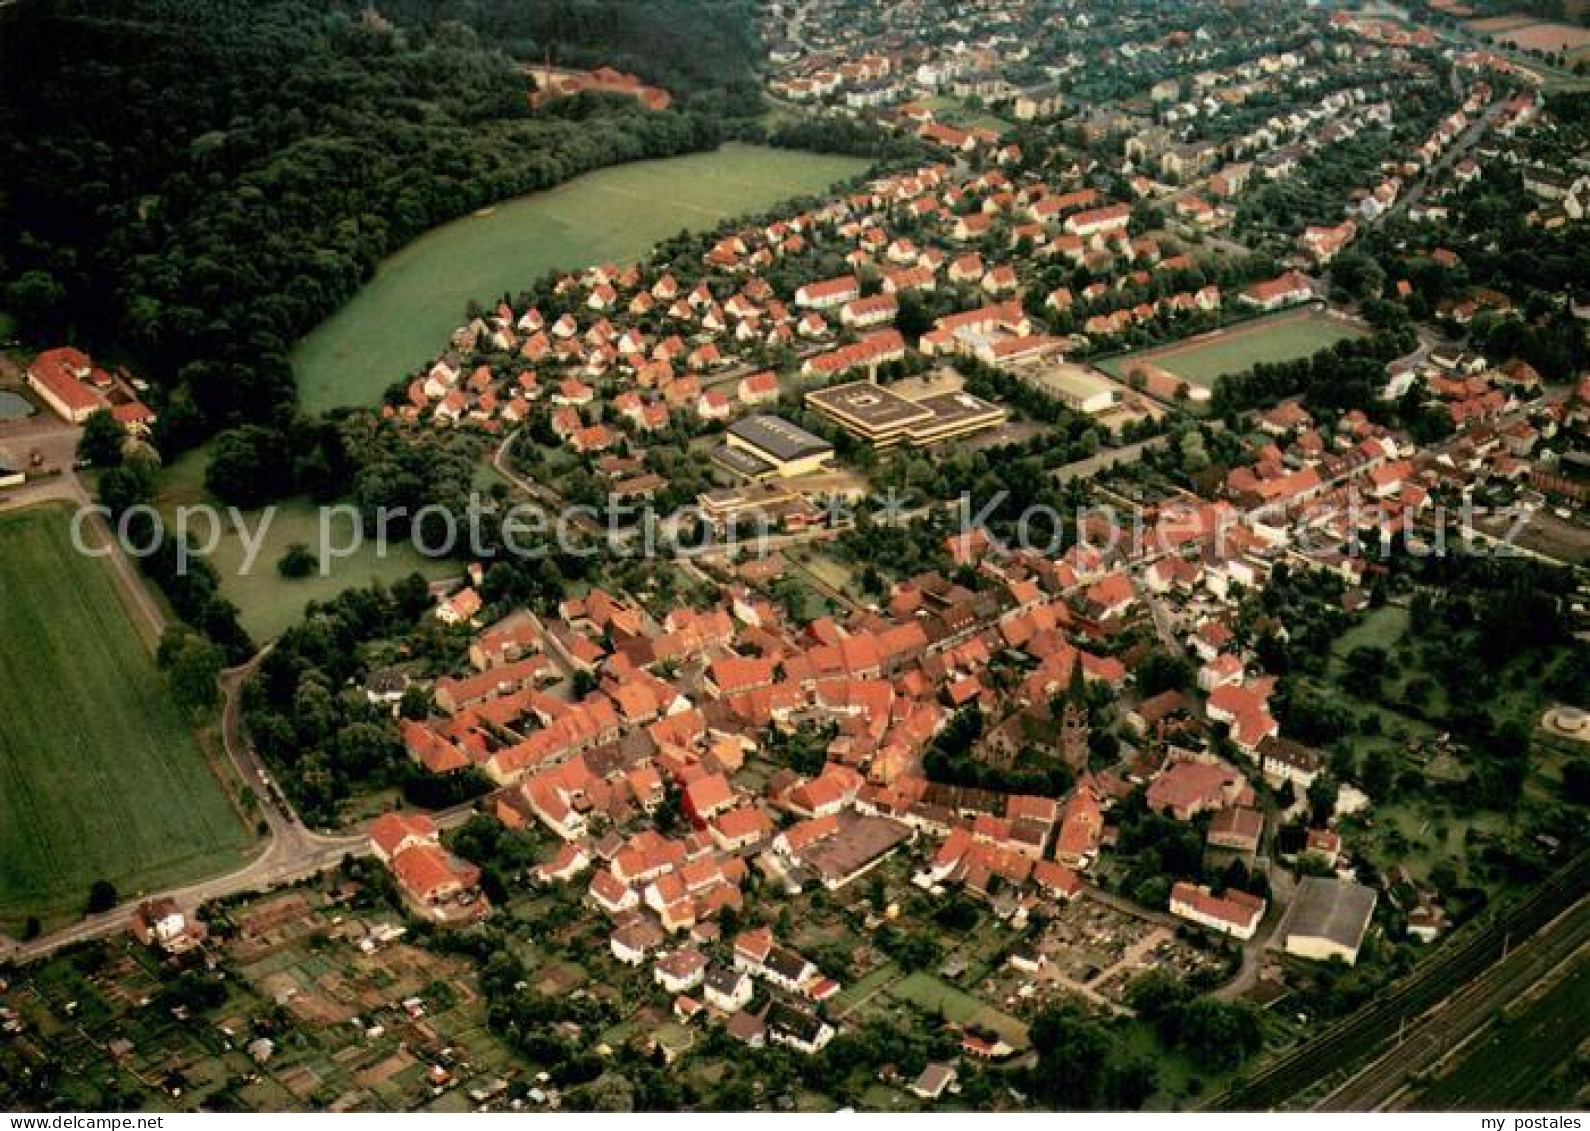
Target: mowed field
x=100 y=776
x=402 y=317
x=268 y=603
x=1205 y=359
x=1530 y=34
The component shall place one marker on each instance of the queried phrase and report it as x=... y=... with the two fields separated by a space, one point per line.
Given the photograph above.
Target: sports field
x=402 y=317
x=100 y=776
x=1208 y=357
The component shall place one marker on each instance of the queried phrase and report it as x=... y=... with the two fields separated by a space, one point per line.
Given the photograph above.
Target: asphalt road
x=292 y=851
x=1108 y=458
x=1459 y=149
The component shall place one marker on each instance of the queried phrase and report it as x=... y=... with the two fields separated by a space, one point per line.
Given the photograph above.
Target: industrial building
x=1327 y=919
x=1080 y=388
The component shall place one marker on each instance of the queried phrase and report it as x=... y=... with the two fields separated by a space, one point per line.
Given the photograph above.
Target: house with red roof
x=391 y=833
x=863 y=313
x=1185 y=789
x=736 y=675
x=758 y=388
x=706 y=797
x=828 y=293
x=1081 y=827
x=437 y=884
x=740 y=828
x=1099 y=221
x=460 y=608
x=59 y=376
x=1109 y=597
x=1285 y=290
x=1236 y=913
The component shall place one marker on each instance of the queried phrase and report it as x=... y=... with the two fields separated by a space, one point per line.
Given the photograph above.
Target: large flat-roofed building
x=917 y=413
x=856 y=845
x=767 y=447
x=1327 y=919
x=1081 y=389
x=766 y=503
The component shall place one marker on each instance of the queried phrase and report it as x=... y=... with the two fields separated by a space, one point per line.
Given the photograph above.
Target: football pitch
x=100 y=775
x=1207 y=358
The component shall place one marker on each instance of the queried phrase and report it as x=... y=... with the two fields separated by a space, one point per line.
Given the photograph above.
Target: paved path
x=1131 y=959
x=1108 y=458
x=1247 y=975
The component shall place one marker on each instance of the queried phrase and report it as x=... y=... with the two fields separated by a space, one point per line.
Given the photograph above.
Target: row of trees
x=191 y=584
x=1350 y=374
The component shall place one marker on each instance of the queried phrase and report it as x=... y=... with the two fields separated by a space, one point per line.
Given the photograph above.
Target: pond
x=14 y=406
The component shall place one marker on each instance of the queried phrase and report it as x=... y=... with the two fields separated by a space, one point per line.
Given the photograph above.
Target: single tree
x=102 y=440
x=101 y=896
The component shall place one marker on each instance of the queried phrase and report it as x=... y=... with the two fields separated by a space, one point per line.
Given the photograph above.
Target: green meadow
x=402 y=318
x=268 y=603
x=101 y=777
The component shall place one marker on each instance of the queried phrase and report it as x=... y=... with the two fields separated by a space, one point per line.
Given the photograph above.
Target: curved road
x=292 y=850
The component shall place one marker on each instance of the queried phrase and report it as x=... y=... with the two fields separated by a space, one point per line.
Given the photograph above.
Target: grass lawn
x=1181 y=1082
x=1380 y=628
x=401 y=319
x=958 y=1007
x=863 y=988
x=1205 y=359
x=268 y=603
x=100 y=776
x=957 y=113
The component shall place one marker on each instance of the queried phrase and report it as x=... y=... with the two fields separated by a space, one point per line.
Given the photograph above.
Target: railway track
x=1463 y=1015
x=1360 y=1035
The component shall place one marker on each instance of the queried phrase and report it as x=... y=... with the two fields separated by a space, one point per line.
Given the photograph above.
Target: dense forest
x=703 y=51
x=244 y=166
